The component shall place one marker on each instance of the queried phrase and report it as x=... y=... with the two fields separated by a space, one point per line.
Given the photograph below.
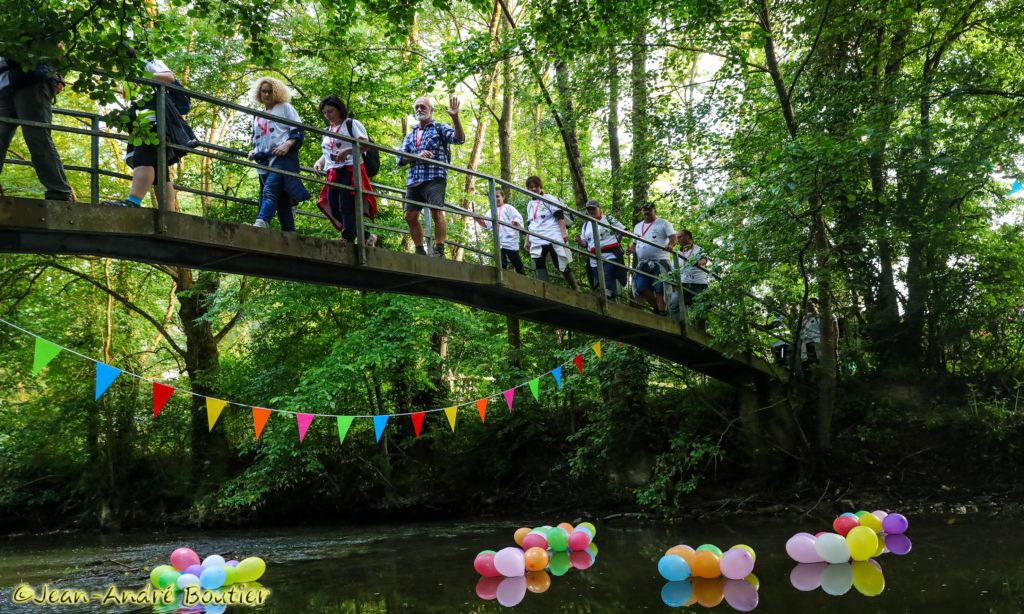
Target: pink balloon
x=579 y=541
x=581 y=559
x=487 y=588
x=535 y=540
x=879 y=514
x=510 y=562
x=806 y=577
x=740 y=595
x=801 y=549
x=183 y=558
x=736 y=564
x=484 y=565
x=511 y=591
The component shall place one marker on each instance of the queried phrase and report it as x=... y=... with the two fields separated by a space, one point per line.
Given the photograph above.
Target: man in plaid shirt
x=426 y=182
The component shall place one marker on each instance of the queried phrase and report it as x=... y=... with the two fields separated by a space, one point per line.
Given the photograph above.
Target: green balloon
x=159 y=570
x=557 y=539
x=711 y=548
x=559 y=563
x=168 y=578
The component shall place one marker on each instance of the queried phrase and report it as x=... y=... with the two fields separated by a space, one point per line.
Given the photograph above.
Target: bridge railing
x=236 y=157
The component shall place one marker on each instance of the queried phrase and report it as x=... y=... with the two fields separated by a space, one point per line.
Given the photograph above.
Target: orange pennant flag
x=481 y=408
x=259 y=419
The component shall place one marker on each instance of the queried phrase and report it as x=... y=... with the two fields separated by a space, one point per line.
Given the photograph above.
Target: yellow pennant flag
x=597 y=348
x=451 y=412
x=213 y=409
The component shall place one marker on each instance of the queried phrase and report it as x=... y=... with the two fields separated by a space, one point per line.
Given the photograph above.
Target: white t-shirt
x=657 y=232
x=540 y=214
x=688 y=259
x=153 y=67
x=609 y=239
x=268 y=134
x=330 y=145
x=509 y=237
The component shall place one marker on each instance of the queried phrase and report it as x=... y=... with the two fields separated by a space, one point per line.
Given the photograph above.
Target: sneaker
x=421 y=250
x=439 y=251
x=261 y=224
x=124 y=202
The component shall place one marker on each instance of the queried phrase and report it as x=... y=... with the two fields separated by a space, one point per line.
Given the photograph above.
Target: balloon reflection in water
x=510 y=591
x=838 y=579
x=740 y=595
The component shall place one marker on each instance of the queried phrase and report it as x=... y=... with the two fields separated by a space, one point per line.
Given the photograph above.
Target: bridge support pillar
x=765 y=423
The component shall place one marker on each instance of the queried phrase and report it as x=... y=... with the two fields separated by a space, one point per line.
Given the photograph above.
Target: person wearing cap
x=652 y=259
x=609 y=232
x=509 y=219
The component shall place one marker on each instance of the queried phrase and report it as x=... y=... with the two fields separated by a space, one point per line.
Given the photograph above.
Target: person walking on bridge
x=545 y=216
x=276 y=144
x=652 y=259
x=693 y=272
x=507 y=234
x=609 y=233
x=29 y=95
x=427 y=182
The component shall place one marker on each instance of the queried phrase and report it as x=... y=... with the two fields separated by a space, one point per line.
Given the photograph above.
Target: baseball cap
x=592 y=204
x=648 y=205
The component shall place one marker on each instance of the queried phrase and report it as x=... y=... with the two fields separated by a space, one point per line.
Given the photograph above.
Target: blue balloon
x=212 y=578
x=676 y=594
x=673 y=568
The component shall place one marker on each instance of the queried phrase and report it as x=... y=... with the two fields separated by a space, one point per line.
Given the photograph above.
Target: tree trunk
x=569 y=135
x=641 y=122
x=613 y=132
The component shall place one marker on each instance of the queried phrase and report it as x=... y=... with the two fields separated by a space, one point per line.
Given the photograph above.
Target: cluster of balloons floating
x=865 y=576
x=716 y=576
x=210 y=574
x=859 y=536
x=543 y=552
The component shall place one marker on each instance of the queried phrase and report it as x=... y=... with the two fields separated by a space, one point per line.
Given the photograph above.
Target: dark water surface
x=958 y=564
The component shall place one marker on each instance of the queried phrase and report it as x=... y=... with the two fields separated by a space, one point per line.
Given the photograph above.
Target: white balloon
x=837 y=579
x=187 y=579
x=214 y=560
x=833 y=548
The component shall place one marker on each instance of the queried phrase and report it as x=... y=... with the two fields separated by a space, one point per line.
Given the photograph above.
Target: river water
x=957 y=564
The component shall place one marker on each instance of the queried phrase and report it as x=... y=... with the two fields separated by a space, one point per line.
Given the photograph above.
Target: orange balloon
x=709 y=592
x=521 y=534
x=536 y=559
x=705 y=565
x=538 y=581
x=683 y=552
x=568 y=527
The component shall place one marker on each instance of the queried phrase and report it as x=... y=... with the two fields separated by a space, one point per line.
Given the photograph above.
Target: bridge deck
x=147 y=235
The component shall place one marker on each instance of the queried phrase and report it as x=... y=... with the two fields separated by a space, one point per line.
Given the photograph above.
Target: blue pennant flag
x=379 y=422
x=105 y=376
x=1017 y=187
x=557 y=373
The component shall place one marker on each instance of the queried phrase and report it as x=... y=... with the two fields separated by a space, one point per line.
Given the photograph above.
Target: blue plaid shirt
x=432 y=138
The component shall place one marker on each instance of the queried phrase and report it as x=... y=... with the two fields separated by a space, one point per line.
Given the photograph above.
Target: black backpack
x=371 y=159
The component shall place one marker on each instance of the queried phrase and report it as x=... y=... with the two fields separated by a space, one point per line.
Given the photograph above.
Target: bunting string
x=45 y=351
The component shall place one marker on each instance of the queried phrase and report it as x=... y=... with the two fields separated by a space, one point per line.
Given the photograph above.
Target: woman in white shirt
x=276 y=144
x=546 y=218
x=509 y=220
x=336 y=162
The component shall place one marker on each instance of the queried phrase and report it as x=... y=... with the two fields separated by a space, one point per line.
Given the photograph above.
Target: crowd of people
x=276 y=144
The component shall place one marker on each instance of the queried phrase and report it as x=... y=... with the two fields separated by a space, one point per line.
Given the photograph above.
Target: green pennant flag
x=535 y=388
x=45 y=352
x=344 y=422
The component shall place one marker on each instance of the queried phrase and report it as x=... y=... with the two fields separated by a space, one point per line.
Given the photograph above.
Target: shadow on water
x=971 y=564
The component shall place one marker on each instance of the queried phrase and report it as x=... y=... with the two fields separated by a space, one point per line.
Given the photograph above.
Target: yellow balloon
x=230 y=573
x=872 y=522
x=863 y=542
x=868 y=578
x=250 y=569
x=880 y=550
x=521 y=534
x=753 y=555
x=754 y=581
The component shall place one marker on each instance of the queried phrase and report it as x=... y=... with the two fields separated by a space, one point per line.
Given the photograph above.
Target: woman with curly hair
x=276 y=145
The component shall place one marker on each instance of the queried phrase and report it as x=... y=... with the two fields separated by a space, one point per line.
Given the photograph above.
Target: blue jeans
x=273 y=198
x=612 y=274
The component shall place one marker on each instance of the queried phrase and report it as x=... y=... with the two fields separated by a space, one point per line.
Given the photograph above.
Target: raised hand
x=453 y=107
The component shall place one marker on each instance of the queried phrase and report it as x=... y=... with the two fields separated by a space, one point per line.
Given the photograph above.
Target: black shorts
x=430 y=192
x=145 y=155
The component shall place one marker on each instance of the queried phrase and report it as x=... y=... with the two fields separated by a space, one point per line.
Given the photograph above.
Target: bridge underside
x=148 y=235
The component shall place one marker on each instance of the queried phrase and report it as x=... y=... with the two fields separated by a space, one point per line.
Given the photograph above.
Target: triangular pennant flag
x=452 y=413
x=105 y=376
x=303 y=420
x=45 y=352
x=535 y=388
x=1017 y=187
x=597 y=348
x=417 y=422
x=161 y=392
x=379 y=422
x=481 y=408
x=578 y=359
x=213 y=409
x=557 y=373
x=259 y=419
x=509 y=395
x=344 y=422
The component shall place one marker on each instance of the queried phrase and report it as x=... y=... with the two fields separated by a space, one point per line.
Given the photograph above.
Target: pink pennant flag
x=161 y=392
x=579 y=362
x=509 y=395
x=417 y=422
x=303 y=420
